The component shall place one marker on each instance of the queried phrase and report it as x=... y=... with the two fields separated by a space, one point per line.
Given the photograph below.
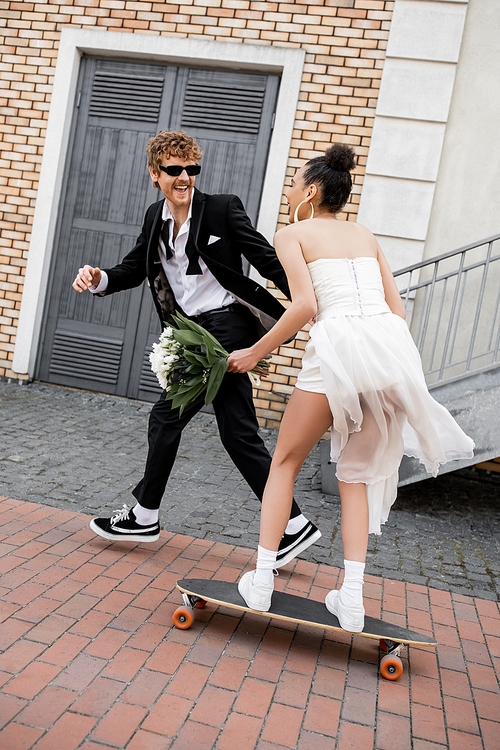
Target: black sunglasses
x=174 y=170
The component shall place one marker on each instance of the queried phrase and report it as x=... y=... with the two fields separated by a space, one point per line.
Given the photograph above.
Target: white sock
x=266 y=560
x=295 y=524
x=144 y=516
x=351 y=591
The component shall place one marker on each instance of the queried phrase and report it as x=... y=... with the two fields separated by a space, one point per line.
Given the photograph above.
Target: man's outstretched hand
x=87 y=277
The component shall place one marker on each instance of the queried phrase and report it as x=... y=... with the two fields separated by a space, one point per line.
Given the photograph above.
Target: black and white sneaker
x=124 y=527
x=292 y=545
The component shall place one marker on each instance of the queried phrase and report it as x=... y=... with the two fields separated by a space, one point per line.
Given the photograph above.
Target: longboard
x=198 y=591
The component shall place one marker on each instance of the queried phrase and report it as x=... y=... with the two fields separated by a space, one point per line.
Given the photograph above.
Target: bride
x=361 y=376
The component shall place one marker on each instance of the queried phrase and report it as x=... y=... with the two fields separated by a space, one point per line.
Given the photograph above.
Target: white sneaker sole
x=298 y=549
x=123 y=537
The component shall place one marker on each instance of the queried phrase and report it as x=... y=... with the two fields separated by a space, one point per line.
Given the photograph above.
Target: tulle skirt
x=371 y=372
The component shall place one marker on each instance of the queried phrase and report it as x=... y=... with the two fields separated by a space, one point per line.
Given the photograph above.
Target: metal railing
x=453 y=310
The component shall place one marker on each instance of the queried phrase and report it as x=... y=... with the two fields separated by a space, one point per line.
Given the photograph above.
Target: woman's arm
x=391 y=291
x=300 y=311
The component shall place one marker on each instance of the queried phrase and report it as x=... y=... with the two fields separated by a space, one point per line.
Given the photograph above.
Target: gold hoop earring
x=296 y=213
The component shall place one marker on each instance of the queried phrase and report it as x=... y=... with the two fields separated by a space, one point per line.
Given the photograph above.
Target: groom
x=190 y=250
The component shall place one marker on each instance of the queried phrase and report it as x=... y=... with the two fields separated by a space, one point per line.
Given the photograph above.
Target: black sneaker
x=292 y=545
x=124 y=527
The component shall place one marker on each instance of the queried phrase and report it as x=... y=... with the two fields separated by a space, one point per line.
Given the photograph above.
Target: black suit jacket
x=221 y=216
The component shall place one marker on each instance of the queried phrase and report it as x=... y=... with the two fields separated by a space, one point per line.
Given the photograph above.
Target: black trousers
x=235 y=413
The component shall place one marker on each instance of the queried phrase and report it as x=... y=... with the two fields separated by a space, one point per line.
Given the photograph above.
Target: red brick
x=322 y=715
x=206 y=651
x=167 y=657
x=91 y=624
x=196 y=735
x=428 y=723
x=221 y=626
x=213 y=706
x=37 y=610
x=243 y=645
x=293 y=690
x=119 y=724
x=282 y=725
x=254 y=698
x=33 y=679
x=476 y=652
x=189 y=680
x=354 y=737
x=47 y=707
x=456 y=684
x=329 y=682
x=125 y=664
x=267 y=666
x=19 y=655
x=487 y=704
x=98 y=697
x=145 y=688
x=144 y=741
x=64 y=590
x=68 y=732
x=168 y=715
x=64 y=649
x=449 y=658
x=18 y=737
x=462 y=741
x=359 y=706
x=11 y=631
x=77 y=606
x=277 y=640
x=25 y=593
x=425 y=690
x=9 y=707
x=229 y=673
x=393 y=698
x=482 y=677
x=489 y=733
x=460 y=714
x=131 y=618
x=149 y=636
x=80 y=673
x=107 y=643
x=239 y=732
x=390 y=727
x=490 y=626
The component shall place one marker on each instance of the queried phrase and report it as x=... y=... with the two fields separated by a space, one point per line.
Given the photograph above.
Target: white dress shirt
x=194 y=294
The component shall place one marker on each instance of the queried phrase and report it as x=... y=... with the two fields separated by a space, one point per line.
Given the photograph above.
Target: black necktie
x=166 y=240
x=193 y=268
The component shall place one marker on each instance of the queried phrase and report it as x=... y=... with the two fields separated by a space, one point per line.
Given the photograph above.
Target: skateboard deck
x=197 y=591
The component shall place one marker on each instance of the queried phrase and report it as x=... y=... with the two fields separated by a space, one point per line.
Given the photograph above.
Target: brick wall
x=345 y=43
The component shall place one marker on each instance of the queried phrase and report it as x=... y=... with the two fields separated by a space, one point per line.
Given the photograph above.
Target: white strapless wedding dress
x=363 y=358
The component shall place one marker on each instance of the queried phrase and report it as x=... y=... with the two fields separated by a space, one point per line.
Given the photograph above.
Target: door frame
x=74 y=43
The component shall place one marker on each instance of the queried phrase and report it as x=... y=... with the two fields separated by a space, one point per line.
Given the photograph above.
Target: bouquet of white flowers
x=188 y=360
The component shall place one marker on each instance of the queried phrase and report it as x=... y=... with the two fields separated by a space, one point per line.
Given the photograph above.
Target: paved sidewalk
x=84 y=452
x=90 y=660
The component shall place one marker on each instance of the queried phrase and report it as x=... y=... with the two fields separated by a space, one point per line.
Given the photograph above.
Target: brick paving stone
x=213 y=706
x=393 y=732
x=240 y=731
x=229 y=672
x=119 y=724
x=19 y=737
x=31 y=680
x=47 y=707
x=168 y=715
x=98 y=697
x=354 y=737
x=462 y=741
x=10 y=707
x=282 y=725
x=67 y=732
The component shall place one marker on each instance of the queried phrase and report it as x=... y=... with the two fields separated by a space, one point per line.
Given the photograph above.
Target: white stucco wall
x=410 y=124
x=466 y=206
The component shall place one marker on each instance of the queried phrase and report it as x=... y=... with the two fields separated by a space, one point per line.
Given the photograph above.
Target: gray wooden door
x=103 y=344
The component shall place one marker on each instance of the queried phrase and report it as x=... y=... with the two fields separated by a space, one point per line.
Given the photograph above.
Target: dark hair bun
x=340 y=157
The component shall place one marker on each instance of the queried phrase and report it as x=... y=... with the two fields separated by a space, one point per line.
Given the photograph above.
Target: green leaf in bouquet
x=186 y=323
x=188 y=338
x=215 y=379
x=195 y=359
